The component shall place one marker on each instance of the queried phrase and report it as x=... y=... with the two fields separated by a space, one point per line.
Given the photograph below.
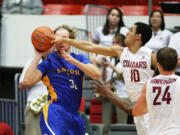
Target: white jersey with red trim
x=162 y=95
x=136 y=70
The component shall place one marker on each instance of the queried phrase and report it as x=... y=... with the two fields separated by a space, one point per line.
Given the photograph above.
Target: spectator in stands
x=117 y=81
x=160 y=36
x=36 y=98
x=5 y=129
x=22 y=7
x=175 y=43
x=114 y=24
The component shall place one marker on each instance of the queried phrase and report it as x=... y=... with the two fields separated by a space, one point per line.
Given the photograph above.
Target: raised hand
x=67 y=56
x=57 y=39
x=40 y=54
x=106 y=63
x=100 y=88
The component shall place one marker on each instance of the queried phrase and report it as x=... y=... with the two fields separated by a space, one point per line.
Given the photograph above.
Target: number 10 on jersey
x=135 y=75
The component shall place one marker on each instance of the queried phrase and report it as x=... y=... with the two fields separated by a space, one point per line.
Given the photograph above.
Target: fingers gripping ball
x=40 y=40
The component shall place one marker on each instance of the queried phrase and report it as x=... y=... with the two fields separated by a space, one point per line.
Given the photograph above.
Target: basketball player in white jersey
x=136 y=61
x=159 y=97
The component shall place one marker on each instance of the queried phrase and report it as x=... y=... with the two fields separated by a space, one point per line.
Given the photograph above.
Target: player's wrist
x=109 y=94
x=74 y=61
x=68 y=41
x=37 y=57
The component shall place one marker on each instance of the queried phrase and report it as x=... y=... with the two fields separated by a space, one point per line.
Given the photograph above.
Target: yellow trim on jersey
x=83 y=81
x=45 y=111
x=51 y=90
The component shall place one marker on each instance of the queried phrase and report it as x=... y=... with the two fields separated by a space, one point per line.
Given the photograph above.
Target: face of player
x=156 y=20
x=65 y=34
x=114 y=17
x=131 y=36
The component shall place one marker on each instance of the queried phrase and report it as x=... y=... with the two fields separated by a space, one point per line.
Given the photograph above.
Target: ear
x=159 y=66
x=138 y=36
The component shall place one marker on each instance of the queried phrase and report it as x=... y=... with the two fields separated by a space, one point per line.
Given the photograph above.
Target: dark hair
x=162 y=18
x=145 y=31
x=167 y=58
x=120 y=23
x=120 y=39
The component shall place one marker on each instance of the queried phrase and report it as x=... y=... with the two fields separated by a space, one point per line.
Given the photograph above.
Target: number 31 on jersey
x=73 y=85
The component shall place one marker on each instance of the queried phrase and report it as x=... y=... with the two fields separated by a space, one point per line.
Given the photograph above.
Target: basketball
x=40 y=41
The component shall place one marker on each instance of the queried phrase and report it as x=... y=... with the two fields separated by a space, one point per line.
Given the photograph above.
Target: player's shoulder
x=160 y=76
x=178 y=77
x=52 y=56
x=124 y=49
x=146 y=49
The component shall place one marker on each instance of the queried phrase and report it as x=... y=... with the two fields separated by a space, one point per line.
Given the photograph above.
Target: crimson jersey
x=162 y=95
x=136 y=70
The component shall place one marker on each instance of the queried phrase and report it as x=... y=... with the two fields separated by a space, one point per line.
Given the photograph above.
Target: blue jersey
x=65 y=80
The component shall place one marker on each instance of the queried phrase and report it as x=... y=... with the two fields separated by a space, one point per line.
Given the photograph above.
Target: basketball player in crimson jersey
x=136 y=61
x=159 y=97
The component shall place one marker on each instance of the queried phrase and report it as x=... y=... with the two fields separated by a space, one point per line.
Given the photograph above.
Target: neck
x=155 y=30
x=111 y=28
x=134 y=47
x=167 y=72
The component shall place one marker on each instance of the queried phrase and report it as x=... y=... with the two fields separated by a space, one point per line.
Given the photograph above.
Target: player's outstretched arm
x=88 y=69
x=140 y=107
x=89 y=46
x=94 y=48
x=32 y=74
x=104 y=91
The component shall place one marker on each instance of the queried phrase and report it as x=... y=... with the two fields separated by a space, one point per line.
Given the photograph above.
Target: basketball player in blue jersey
x=65 y=73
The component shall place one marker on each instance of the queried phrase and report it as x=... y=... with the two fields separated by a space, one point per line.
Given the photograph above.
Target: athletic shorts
x=56 y=120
